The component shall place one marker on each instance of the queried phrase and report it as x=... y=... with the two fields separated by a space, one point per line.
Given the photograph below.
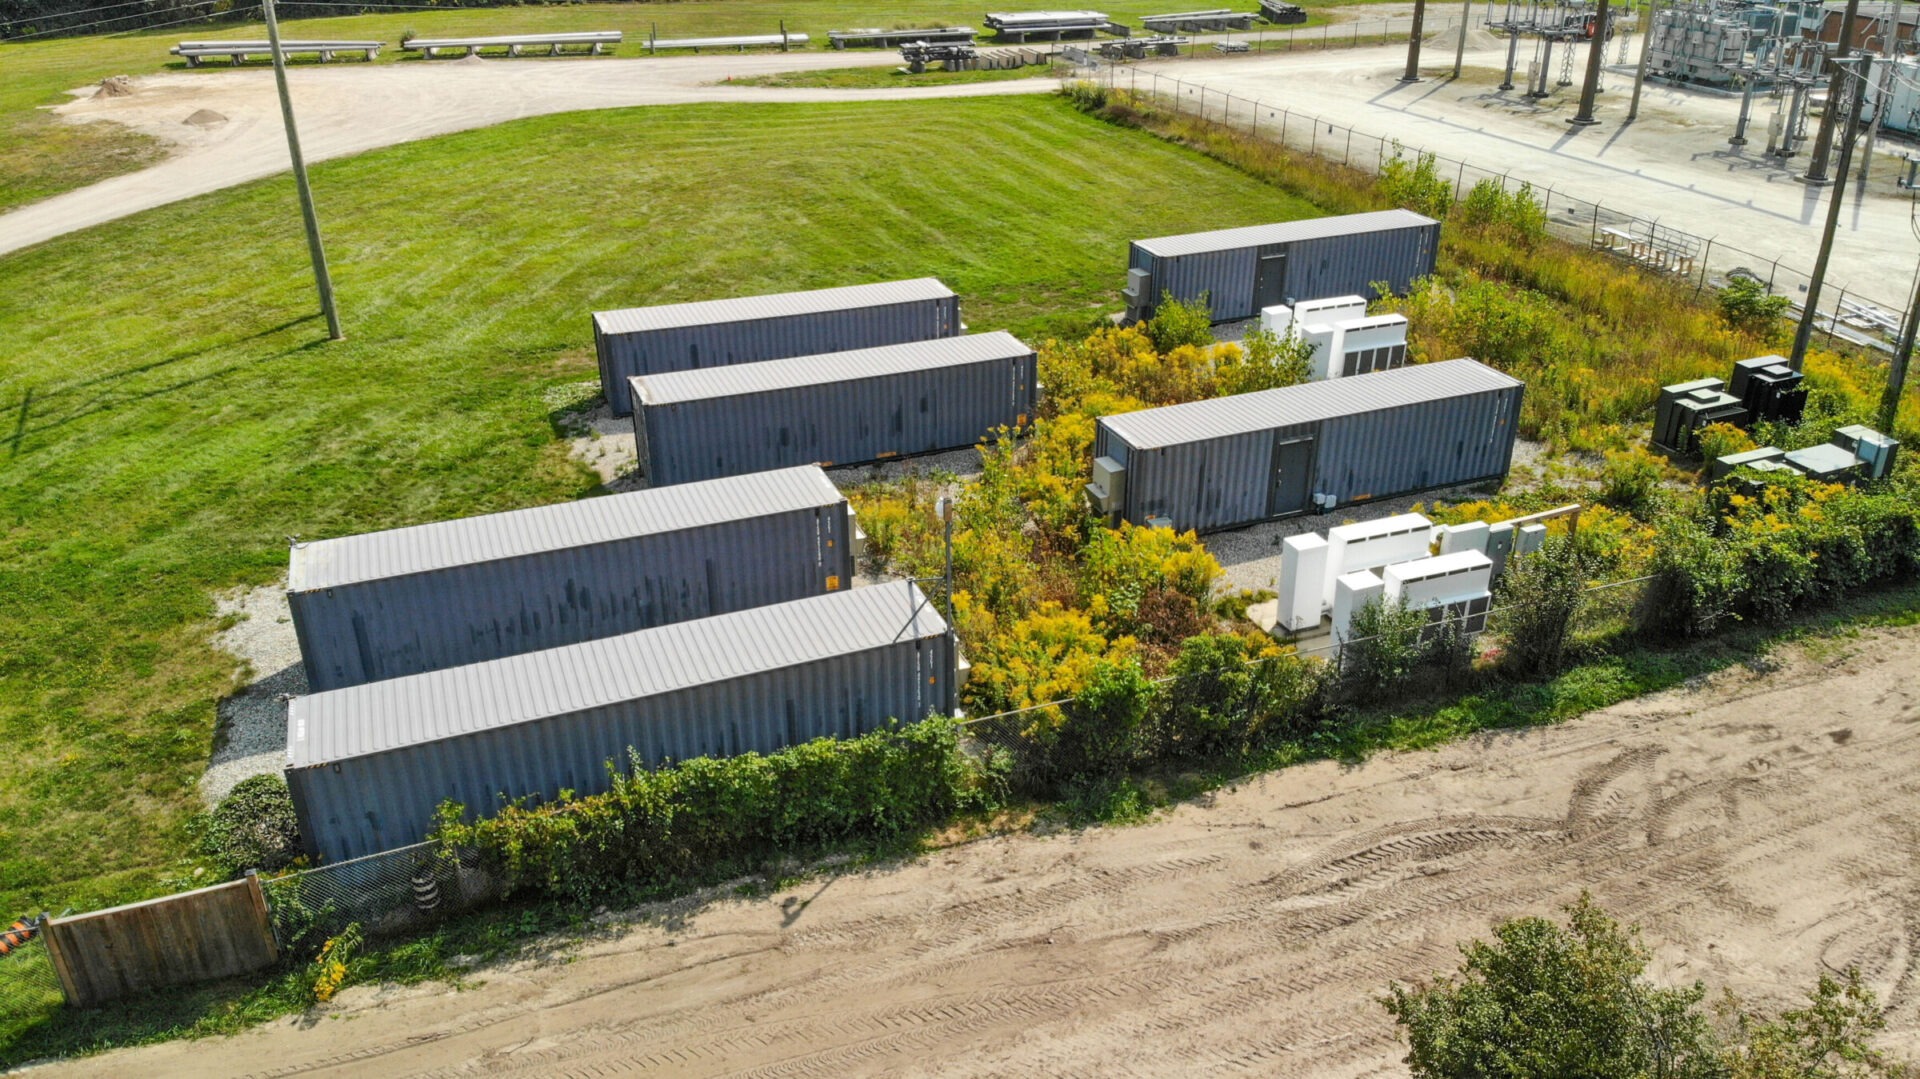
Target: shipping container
x=387 y=604
x=1238 y=272
x=368 y=764
x=839 y=409
x=1232 y=461
x=748 y=329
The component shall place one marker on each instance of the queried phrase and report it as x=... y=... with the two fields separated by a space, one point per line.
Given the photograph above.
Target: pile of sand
x=205 y=118
x=115 y=86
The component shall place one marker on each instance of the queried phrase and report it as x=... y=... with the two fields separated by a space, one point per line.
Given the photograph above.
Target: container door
x=1292 y=468
x=1270 y=280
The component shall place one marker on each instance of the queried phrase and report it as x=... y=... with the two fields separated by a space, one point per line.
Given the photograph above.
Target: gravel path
x=252 y=737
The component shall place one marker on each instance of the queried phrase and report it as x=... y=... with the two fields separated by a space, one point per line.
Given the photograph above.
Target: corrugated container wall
x=368 y=765
x=1234 y=461
x=1254 y=268
x=687 y=337
x=387 y=604
x=841 y=409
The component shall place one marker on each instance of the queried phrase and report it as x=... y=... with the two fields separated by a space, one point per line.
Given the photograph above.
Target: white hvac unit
x=1425 y=581
x=1323 y=343
x=1376 y=544
x=1108 y=491
x=1471 y=536
x=857 y=543
x=1351 y=594
x=1303 y=576
x=1468 y=612
x=1368 y=344
x=1329 y=310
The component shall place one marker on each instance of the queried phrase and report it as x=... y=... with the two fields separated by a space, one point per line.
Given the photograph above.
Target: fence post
x=1284 y=114
x=1705 y=254
x=1347 y=157
x=1595 y=238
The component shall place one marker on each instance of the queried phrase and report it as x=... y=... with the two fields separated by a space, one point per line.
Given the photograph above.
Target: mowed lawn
x=170 y=411
x=40 y=156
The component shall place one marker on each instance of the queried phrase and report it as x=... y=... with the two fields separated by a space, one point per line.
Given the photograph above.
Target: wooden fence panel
x=196 y=936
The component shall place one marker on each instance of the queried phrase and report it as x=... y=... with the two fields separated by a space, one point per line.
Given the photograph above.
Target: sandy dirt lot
x=1759 y=825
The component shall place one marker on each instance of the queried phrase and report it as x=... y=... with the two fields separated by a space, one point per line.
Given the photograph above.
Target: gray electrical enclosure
x=387 y=604
x=1241 y=271
x=1232 y=461
x=368 y=765
x=747 y=329
x=838 y=409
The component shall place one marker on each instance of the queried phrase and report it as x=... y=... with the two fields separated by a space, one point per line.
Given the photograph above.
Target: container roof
x=734 y=379
x=1282 y=232
x=397 y=552
x=1310 y=402
x=674 y=316
x=421 y=708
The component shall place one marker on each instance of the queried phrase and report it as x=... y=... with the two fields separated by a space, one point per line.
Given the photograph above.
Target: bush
x=1176 y=324
x=1630 y=482
x=1383 y=650
x=1266 y=361
x=1518 y=217
x=254 y=827
x=1720 y=439
x=1121 y=568
x=1696 y=580
x=704 y=819
x=1541 y=594
x=1095 y=736
x=1747 y=306
x=1416 y=184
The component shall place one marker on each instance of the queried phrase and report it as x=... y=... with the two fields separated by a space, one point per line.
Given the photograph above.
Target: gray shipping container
x=748 y=329
x=367 y=765
x=1241 y=271
x=387 y=604
x=839 y=409
x=1235 y=460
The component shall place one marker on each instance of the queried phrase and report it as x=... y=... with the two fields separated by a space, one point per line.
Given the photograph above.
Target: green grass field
x=172 y=413
x=40 y=156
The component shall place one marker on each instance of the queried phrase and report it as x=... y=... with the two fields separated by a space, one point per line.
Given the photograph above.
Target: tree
x=1541 y=594
x=1747 y=306
x=1544 y=1001
x=1827 y=1039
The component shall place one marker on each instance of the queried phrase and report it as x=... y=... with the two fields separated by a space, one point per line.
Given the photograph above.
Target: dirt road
x=1760 y=827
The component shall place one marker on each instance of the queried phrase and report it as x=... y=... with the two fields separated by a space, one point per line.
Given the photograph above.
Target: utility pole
x=1413 y=41
x=1850 y=73
x=321 y=278
x=1823 y=142
x=1884 y=96
x=1897 y=370
x=1646 y=49
x=1460 y=50
x=1596 y=57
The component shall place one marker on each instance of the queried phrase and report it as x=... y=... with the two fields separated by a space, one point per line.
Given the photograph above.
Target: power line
x=202 y=17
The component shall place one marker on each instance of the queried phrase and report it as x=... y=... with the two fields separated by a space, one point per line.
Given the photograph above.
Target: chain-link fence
x=29 y=986
x=1857 y=314
x=386 y=894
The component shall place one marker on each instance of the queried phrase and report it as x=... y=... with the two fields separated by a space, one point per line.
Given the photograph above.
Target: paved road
x=1760 y=827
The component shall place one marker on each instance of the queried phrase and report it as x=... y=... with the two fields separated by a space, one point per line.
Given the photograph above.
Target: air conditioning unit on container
x=1108 y=491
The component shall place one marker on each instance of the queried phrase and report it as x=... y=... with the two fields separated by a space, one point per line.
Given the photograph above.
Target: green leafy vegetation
x=253 y=827
x=170 y=421
x=699 y=821
x=1545 y=1001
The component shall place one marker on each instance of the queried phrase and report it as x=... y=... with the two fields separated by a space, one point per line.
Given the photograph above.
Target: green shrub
x=254 y=827
x=1540 y=594
x=1267 y=361
x=1231 y=693
x=1747 y=307
x=1176 y=323
x=1630 y=482
x=707 y=818
x=1383 y=650
x=1518 y=216
x=1416 y=184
